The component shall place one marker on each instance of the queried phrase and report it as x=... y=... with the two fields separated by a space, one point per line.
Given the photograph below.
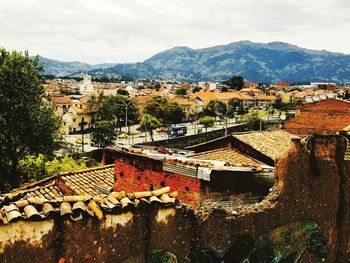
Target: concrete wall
x=305 y=218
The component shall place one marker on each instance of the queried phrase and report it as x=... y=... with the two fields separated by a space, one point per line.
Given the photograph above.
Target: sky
x=100 y=31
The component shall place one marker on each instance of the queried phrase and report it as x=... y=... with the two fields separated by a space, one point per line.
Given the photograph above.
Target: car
x=79 y=141
x=123 y=145
x=161 y=130
x=123 y=136
x=164 y=150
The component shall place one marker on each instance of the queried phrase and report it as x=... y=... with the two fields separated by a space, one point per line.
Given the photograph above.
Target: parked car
x=79 y=141
x=123 y=136
x=164 y=150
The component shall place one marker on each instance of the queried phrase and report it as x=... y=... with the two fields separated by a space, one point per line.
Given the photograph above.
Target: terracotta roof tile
x=273 y=144
x=77 y=207
x=229 y=155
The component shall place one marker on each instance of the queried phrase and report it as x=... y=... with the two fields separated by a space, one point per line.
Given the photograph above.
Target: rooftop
x=273 y=144
x=228 y=155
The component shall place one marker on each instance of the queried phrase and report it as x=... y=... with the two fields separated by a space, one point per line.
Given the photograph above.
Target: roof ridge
x=95 y=168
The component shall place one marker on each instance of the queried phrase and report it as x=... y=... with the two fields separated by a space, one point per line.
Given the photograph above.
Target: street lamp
x=126 y=105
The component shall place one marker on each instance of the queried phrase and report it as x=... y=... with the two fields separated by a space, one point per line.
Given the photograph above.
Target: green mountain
x=259 y=62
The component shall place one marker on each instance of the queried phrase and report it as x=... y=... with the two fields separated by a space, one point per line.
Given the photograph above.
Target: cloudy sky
x=97 y=31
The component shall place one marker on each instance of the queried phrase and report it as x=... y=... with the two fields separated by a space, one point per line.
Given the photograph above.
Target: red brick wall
x=131 y=179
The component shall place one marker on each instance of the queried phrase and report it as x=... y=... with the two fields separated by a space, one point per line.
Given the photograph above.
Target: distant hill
x=60 y=69
x=259 y=62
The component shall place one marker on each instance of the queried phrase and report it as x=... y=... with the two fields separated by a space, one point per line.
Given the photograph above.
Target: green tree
x=165 y=112
x=207 y=122
x=149 y=123
x=196 y=89
x=39 y=167
x=235 y=82
x=181 y=91
x=253 y=122
x=113 y=108
x=28 y=124
x=216 y=108
x=104 y=134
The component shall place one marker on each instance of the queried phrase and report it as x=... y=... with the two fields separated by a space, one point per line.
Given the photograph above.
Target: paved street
x=137 y=137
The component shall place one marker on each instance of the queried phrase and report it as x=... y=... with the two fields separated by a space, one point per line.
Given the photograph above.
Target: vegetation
x=235 y=82
x=207 y=122
x=165 y=112
x=113 y=108
x=253 y=122
x=215 y=108
x=38 y=167
x=149 y=123
x=28 y=124
x=104 y=134
x=196 y=89
x=181 y=91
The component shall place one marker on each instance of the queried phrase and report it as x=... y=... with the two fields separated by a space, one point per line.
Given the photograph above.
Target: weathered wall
x=305 y=218
x=131 y=179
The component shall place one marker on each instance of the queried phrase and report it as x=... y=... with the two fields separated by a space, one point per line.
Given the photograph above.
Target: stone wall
x=305 y=218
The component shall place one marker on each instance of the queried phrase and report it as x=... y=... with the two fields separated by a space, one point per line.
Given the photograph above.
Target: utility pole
x=82 y=124
x=126 y=105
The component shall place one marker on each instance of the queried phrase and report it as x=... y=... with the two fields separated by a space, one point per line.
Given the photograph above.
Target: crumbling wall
x=305 y=218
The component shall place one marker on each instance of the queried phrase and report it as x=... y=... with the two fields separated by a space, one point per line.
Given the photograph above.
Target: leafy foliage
x=149 y=123
x=165 y=112
x=28 y=124
x=207 y=122
x=235 y=82
x=40 y=167
x=181 y=91
x=104 y=134
x=253 y=122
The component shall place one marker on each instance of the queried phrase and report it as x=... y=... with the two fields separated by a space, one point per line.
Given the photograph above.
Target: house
x=187 y=106
x=76 y=116
x=263 y=146
x=325 y=117
x=266 y=100
x=62 y=103
x=197 y=178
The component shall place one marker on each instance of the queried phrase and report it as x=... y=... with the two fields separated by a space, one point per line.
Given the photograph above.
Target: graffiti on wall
x=161 y=256
x=284 y=244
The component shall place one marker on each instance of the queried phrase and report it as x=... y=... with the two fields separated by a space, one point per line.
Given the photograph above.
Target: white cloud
x=133 y=30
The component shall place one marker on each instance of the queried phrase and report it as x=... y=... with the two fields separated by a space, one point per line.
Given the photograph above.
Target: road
x=137 y=137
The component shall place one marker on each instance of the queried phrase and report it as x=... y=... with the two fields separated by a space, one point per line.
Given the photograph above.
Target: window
x=187 y=188
x=162 y=183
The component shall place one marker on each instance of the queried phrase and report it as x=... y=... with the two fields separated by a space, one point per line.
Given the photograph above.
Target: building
x=197 y=178
x=266 y=100
x=325 y=117
x=86 y=86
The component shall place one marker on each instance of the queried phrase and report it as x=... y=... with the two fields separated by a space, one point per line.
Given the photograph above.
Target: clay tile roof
x=77 y=207
x=273 y=144
x=229 y=155
x=267 y=97
x=60 y=99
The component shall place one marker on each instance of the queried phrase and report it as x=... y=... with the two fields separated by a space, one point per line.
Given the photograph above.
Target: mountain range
x=258 y=62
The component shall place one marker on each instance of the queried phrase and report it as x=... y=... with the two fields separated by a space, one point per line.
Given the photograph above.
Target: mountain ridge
x=259 y=62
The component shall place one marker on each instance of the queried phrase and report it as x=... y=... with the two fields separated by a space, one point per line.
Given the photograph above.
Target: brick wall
x=131 y=179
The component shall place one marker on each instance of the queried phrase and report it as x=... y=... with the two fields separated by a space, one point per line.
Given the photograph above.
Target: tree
x=28 y=124
x=123 y=92
x=235 y=82
x=207 y=122
x=196 y=89
x=104 y=134
x=216 y=108
x=165 y=112
x=253 y=122
x=113 y=108
x=40 y=166
x=181 y=91
x=149 y=123
x=173 y=114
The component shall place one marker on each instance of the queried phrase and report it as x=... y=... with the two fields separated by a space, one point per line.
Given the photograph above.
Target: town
x=174 y=131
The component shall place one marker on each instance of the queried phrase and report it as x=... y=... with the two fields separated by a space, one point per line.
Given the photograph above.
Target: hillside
x=259 y=62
